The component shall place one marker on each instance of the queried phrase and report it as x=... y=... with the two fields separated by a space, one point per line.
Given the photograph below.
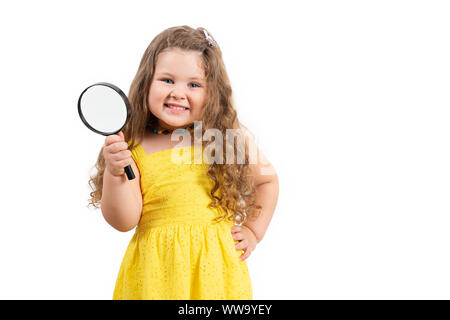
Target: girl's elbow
x=124 y=228
x=128 y=225
x=120 y=225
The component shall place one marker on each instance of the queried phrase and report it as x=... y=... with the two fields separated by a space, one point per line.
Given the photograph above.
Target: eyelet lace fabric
x=177 y=250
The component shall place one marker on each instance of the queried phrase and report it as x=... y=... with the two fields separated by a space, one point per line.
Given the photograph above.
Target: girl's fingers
x=117 y=147
x=121 y=155
x=235 y=229
x=124 y=163
x=238 y=236
x=114 y=138
x=246 y=254
x=241 y=245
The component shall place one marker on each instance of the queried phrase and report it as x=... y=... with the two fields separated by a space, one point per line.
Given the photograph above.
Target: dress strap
x=136 y=153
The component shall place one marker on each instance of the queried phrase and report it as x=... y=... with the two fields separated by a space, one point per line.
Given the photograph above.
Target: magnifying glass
x=105 y=109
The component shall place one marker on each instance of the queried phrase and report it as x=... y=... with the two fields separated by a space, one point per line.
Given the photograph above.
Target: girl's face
x=179 y=79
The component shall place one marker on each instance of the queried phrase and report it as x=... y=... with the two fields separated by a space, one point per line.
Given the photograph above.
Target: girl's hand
x=116 y=154
x=247 y=240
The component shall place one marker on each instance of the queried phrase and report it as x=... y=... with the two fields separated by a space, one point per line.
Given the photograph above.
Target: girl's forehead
x=180 y=61
x=183 y=56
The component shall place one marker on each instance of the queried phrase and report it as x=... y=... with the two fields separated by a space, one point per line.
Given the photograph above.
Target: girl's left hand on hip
x=247 y=240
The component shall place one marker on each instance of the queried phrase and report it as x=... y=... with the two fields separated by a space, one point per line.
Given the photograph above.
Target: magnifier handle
x=129 y=172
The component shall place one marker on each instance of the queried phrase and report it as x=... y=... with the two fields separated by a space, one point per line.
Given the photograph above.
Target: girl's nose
x=177 y=93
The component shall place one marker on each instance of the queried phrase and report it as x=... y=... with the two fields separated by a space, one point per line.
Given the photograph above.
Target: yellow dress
x=177 y=251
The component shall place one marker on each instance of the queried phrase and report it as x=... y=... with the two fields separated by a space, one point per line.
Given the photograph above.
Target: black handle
x=129 y=172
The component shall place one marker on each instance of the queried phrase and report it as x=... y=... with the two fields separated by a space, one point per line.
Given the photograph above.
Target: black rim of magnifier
x=122 y=95
x=128 y=170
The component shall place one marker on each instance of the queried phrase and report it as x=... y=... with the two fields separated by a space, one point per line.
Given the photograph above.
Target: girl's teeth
x=176 y=108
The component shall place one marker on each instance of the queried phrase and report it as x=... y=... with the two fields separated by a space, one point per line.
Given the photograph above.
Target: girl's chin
x=169 y=121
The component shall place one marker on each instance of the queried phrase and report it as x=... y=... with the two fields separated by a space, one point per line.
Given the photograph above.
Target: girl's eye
x=195 y=84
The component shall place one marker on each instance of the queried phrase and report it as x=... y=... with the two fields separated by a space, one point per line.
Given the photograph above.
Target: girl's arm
x=267 y=189
x=266 y=196
x=121 y=202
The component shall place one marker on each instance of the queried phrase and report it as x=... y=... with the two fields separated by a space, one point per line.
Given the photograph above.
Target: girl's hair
x=232 y=182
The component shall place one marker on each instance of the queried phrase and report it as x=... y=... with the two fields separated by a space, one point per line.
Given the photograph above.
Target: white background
x=349 y=100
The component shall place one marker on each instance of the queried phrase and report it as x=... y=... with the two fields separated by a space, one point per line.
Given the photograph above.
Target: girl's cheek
x=157 y=88
x=158 y=94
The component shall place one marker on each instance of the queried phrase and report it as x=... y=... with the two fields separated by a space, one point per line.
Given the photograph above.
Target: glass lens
x=103 y=109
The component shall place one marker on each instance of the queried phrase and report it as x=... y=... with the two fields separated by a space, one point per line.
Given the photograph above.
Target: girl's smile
x=176 y=108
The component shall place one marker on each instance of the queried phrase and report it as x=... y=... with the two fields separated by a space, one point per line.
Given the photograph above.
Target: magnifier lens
x=103 y=109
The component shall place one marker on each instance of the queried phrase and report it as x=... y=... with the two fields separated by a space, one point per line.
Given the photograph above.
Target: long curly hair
x=233 y=192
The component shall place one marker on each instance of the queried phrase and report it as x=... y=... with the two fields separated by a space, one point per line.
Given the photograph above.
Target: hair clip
x=210 y=40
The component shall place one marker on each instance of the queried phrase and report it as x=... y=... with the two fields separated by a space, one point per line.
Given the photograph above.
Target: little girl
x=196 y=223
